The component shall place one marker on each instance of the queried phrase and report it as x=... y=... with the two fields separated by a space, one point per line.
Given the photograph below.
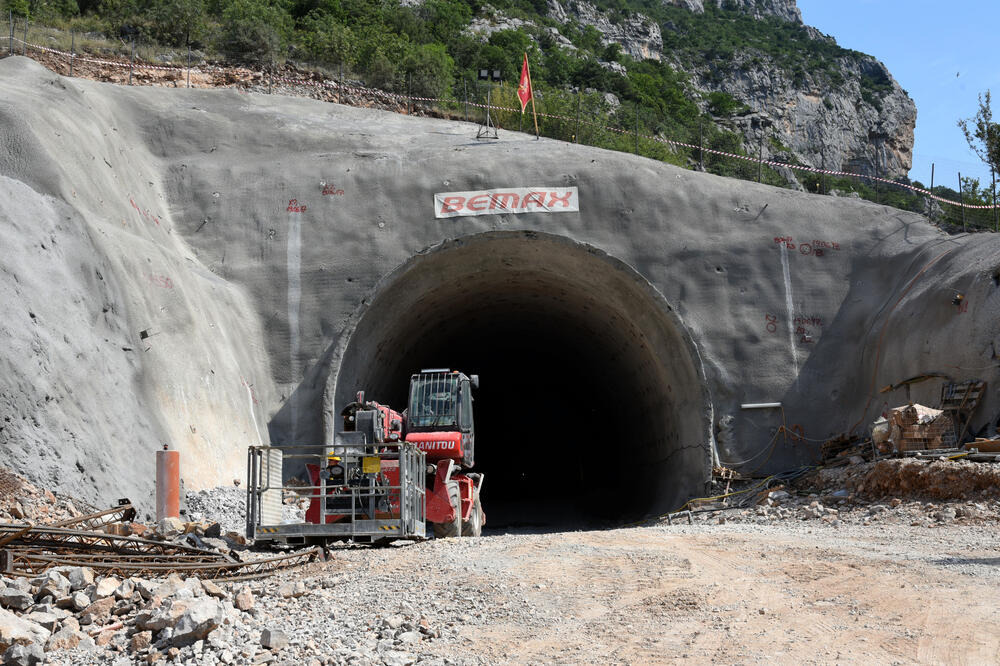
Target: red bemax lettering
x=452 y=204
x=564 y=199
x=478 y=202
x=537 y=198
x=504 y=201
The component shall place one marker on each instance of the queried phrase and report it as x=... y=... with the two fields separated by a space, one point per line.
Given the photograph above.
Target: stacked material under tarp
x=918 y=428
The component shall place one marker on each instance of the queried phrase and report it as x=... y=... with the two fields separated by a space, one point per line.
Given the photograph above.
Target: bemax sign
x=507 y=200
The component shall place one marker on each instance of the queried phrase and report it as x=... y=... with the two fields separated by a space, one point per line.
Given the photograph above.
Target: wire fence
x=92 y=56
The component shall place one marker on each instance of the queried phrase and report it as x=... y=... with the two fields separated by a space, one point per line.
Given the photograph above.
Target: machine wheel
x=473 y=527
x=454 y=528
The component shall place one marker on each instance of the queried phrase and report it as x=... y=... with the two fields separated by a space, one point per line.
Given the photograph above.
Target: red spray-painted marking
x=771 y=323
x=253 y=395
x=804 y=328
x=815 y=248
x=331 y=190
x=160 y=281
x=295 y=207
x=145 y=213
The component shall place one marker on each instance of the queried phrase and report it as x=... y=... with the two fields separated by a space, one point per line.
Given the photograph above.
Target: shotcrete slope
x=183 y=201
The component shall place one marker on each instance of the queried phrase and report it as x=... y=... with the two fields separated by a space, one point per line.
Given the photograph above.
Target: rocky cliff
x=786 y=10
x=815 y=123
x=794 y=94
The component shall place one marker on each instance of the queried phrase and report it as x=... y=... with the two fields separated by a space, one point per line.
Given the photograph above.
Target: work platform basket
x=355 y=492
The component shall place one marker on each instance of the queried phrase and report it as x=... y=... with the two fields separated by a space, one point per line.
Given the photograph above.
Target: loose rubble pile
x=223 y=505
x=22 y=500
x=916 y=492
x=361 y=607
x=71 y=609
x=226 y=505
x=940 y=479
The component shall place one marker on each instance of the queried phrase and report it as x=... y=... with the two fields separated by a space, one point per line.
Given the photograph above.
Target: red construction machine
x=387 y=474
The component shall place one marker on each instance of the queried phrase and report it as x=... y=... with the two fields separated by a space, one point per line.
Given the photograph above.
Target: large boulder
x=201 y=617
x=189 y=619
x=106 y=587
x=54 y=584
x=18 y=631
x=79 y=577
x=11 y=597
x=24 y=655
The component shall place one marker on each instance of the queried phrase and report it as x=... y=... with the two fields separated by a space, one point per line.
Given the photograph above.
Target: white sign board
x=508 y=200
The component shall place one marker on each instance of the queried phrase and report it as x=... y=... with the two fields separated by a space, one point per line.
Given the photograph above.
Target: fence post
x=875 y=179
x=701 y=144
x=72 y=51
x=409 y=92
x=131 y=62
x=270 y=76
x=465 y=87
x=189 y=62
x=996 y=223
x=760 y=158
x=932 y=177
x=24 y=51
x=579 y=103
x=637 y=128
x=340 y=88
x=961 y=198
x=822 y=176
x=11 y=18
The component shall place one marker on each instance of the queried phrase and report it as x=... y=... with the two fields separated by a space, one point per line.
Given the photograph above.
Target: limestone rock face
x=637 y=35
x=783 y=9
x=861 y=121
x=696 y=6
x=845 y=128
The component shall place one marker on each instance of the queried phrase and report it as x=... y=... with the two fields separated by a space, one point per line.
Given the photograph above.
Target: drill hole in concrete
x=592 y=408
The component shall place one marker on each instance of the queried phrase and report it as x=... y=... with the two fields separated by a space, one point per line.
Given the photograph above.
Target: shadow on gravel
x=964 y=561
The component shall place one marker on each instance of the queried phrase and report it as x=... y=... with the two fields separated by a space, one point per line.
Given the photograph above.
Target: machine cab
x=439 y=415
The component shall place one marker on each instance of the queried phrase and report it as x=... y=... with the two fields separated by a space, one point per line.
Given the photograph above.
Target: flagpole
x=532 y=86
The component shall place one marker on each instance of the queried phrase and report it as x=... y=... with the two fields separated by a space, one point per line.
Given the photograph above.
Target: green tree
x=254 y=29
x=982 y=134
x=430 y=70
x=18 y=7
x=326 y=40
x=177 y=22
x=445 y=18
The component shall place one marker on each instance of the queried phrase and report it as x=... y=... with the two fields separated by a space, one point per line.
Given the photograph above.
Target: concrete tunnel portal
x=592 y=408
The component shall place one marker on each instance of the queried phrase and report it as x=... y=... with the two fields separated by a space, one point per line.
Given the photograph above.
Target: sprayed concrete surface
x=209 y=270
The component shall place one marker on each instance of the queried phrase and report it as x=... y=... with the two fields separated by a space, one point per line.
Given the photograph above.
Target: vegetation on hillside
x=426 y=50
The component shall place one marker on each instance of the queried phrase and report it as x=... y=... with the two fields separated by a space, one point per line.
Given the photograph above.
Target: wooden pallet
x=962 y=397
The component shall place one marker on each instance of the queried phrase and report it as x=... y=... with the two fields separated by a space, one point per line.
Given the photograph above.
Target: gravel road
x=788 y=592
x=793 y=592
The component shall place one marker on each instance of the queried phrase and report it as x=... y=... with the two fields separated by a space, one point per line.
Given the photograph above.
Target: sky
x=942 y=53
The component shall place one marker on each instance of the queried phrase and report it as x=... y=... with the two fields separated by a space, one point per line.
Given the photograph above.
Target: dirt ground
x=730 y=594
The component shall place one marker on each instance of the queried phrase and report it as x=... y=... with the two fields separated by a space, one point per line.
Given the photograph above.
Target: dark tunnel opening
x=590 y=409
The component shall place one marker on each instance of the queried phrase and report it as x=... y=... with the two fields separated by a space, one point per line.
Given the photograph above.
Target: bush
x=254 y=30
x=176 y=22
x=430 y=70
x=18 y=7
x=325 y=40
x=723 y=104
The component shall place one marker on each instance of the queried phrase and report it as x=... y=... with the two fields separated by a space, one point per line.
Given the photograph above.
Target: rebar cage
x=357 y=491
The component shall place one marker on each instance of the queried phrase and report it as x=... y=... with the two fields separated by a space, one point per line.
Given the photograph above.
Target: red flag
x=524 y=92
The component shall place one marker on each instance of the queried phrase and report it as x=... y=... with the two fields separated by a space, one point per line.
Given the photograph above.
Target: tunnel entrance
x=592 y=408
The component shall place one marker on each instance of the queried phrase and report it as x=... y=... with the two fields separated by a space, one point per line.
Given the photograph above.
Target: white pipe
x=760 y=405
